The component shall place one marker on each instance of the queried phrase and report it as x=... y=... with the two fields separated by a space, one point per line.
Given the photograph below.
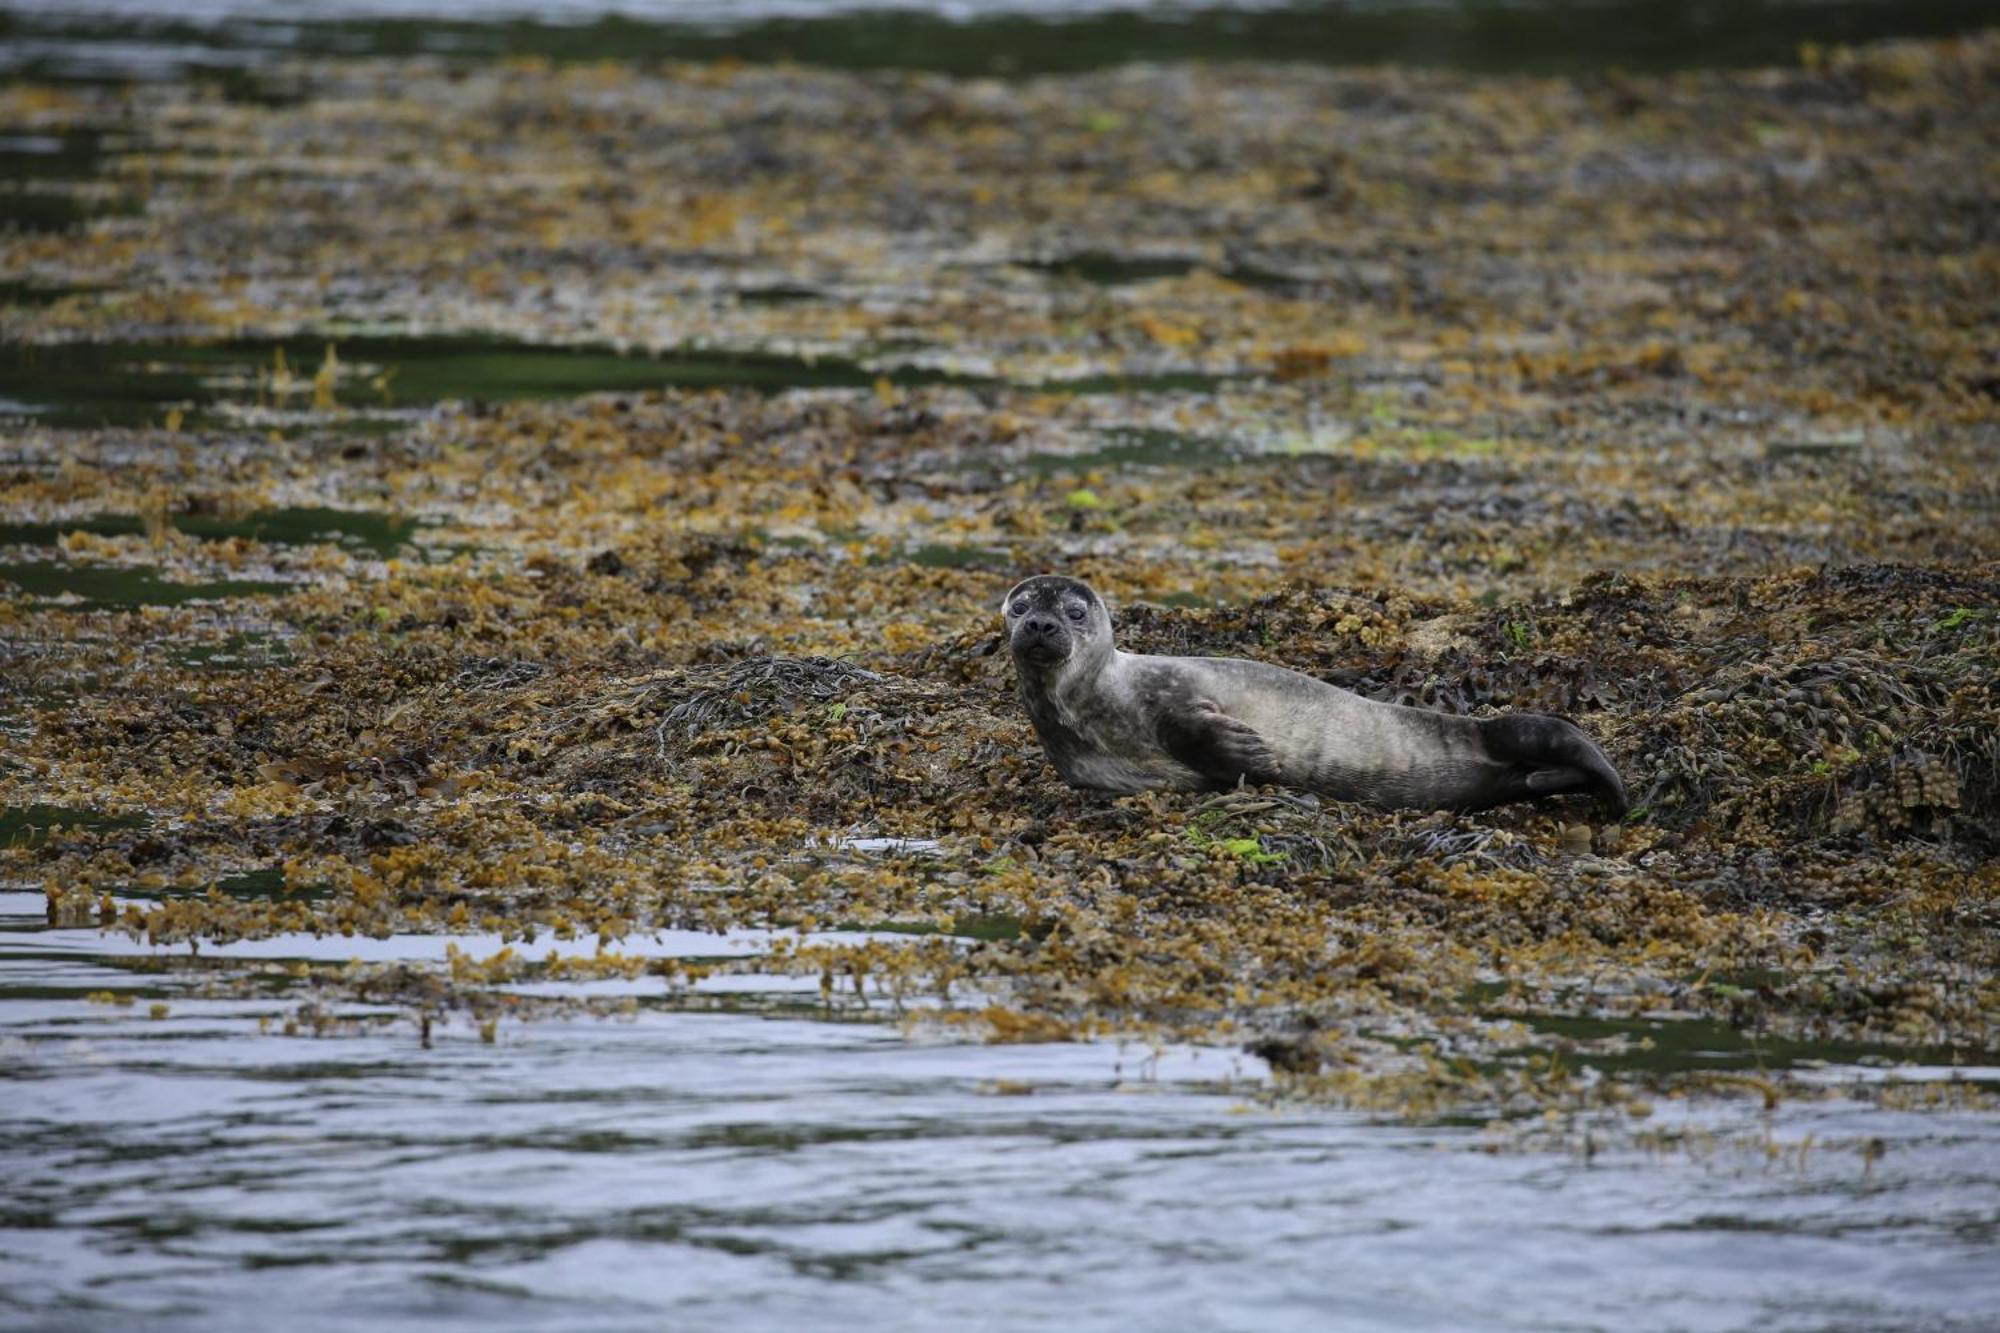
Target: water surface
x=175 y=1162
x=225 y=39
x=136 y=384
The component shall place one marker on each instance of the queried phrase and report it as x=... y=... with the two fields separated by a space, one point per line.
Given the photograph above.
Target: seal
x=1125 y=722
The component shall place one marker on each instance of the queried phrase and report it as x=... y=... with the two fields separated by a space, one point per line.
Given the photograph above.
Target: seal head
x=1052 y=620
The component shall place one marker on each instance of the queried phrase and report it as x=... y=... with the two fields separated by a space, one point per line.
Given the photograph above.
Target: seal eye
x=1020 y=607
x=1076 y=613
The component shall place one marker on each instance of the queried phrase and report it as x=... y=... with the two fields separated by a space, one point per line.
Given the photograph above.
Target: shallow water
x=381 y=379
x=88 y=587
x=29 y=825
x=676 y=1167
x=129 y=384
x=364 y=530
x=101 y=39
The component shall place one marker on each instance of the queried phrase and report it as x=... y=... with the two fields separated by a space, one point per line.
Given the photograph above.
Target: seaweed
x=1664 y=406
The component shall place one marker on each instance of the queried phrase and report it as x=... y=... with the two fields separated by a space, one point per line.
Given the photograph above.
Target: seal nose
x=1041 y=626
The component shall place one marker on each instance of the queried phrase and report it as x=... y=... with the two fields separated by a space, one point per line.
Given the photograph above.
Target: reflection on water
x=167 y=1166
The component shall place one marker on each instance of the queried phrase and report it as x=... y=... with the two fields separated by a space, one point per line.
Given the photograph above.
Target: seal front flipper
x=1552 y=756
x=1219 y=747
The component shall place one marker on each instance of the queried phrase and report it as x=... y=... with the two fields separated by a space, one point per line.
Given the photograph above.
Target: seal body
x=1125 y=722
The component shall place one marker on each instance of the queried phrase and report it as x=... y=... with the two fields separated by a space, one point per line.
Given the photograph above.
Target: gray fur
x=1124 y=722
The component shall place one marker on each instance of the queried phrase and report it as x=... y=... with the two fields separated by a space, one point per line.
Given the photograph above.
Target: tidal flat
x=499 y=571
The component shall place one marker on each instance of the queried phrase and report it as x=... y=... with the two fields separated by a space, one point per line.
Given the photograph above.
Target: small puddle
x=779 y=294
x=1101 y=269
x=1826 y=446
x=40 y=154
x=1171 y=382
x=248 y=886
x=31 y=825
x=975 y=927
x=132 y=384
x=1108 y=270
x=37 y=169
x=1186 y=601
x=1145 y=447
x=38 y=294
x=881 y=551
x=41 y=212
x=891 y=846
x=93 y=588
x=243 y=651
x=380 y=534
x=138 y=384
x=945 y=555
x=1681 y=1046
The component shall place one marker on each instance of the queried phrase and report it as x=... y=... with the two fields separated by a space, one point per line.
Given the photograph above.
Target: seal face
x=1124 y=722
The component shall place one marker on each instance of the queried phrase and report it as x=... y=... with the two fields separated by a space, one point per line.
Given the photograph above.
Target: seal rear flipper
x=1556 y=755
x=1221 y=748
